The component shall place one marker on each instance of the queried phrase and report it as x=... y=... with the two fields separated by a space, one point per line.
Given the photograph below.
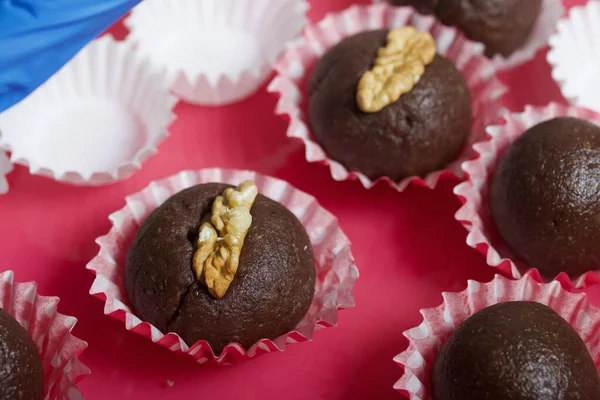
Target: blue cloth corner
x=37 y=37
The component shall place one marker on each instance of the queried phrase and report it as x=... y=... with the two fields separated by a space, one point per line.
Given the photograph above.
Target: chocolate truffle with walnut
x=389 y=119
x=263 y=296
x=503 y=26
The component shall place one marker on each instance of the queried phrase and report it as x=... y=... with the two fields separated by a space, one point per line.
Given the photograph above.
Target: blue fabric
x=37 y=37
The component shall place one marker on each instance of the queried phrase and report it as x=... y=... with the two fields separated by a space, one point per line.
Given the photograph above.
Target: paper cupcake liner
x=336 y=269
x=51 y=333
x=545 y=26
x=95 y=121
x=215 y=52
x=5 y=168
x=574 y=56
x=295 y=66
x=426 y=340
x=475 y=214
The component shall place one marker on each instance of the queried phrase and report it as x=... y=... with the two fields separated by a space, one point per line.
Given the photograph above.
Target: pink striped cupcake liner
x=51 y=333
x=294 y=67
x=426 y=340
x=336 y=269
x=475 y=214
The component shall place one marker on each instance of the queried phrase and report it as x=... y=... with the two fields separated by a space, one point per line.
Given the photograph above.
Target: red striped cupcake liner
x=334 y=262
x=475 y=213
x=294 y=68
x=51 y=333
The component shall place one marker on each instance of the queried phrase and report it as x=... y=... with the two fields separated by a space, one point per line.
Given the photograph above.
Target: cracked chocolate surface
x=21 y=371
x=545 y=197
x=422 y=132
x=503 y=26
x=270 y=294
x=515 y=351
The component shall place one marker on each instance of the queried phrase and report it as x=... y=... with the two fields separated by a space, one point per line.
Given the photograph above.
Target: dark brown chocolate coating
x=420 y=133
x=21 y=371
x=515 y=351
x=545 y=197
x=268 y=297
x=502 y=25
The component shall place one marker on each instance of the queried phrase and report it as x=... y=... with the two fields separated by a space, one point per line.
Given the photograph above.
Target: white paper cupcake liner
x=336 y=269
x=51 y=333
x=95 y=121
x=296 y=64
x=475 y=214
x=426 y=340
x=574 y=56
x=5 y=168
x=215 y=52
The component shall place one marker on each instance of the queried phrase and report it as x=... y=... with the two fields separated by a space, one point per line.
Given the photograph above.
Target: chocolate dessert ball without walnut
x=21 y=371
x=418 y=132
x=545 y=197
x=222 y=265
x=515 y=351
x=503 y=26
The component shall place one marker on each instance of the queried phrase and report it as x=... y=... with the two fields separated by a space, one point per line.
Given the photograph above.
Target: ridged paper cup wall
x=574 y=56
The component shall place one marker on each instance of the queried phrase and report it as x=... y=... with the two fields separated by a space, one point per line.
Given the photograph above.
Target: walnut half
x=397 y=69
x=220 y=240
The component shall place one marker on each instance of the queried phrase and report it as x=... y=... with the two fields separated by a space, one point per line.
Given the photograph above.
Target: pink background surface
x=408 y=248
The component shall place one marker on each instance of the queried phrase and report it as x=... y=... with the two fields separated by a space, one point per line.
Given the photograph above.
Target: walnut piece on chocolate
x=397 y=69
x=420 y=133
x=220 y=241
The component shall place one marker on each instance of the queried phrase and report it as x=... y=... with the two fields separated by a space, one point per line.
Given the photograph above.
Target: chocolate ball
x=272 y=289
x=21 y=371
x=545 y=197
x=515 y=351
x=422 y=132
x=503 y=26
